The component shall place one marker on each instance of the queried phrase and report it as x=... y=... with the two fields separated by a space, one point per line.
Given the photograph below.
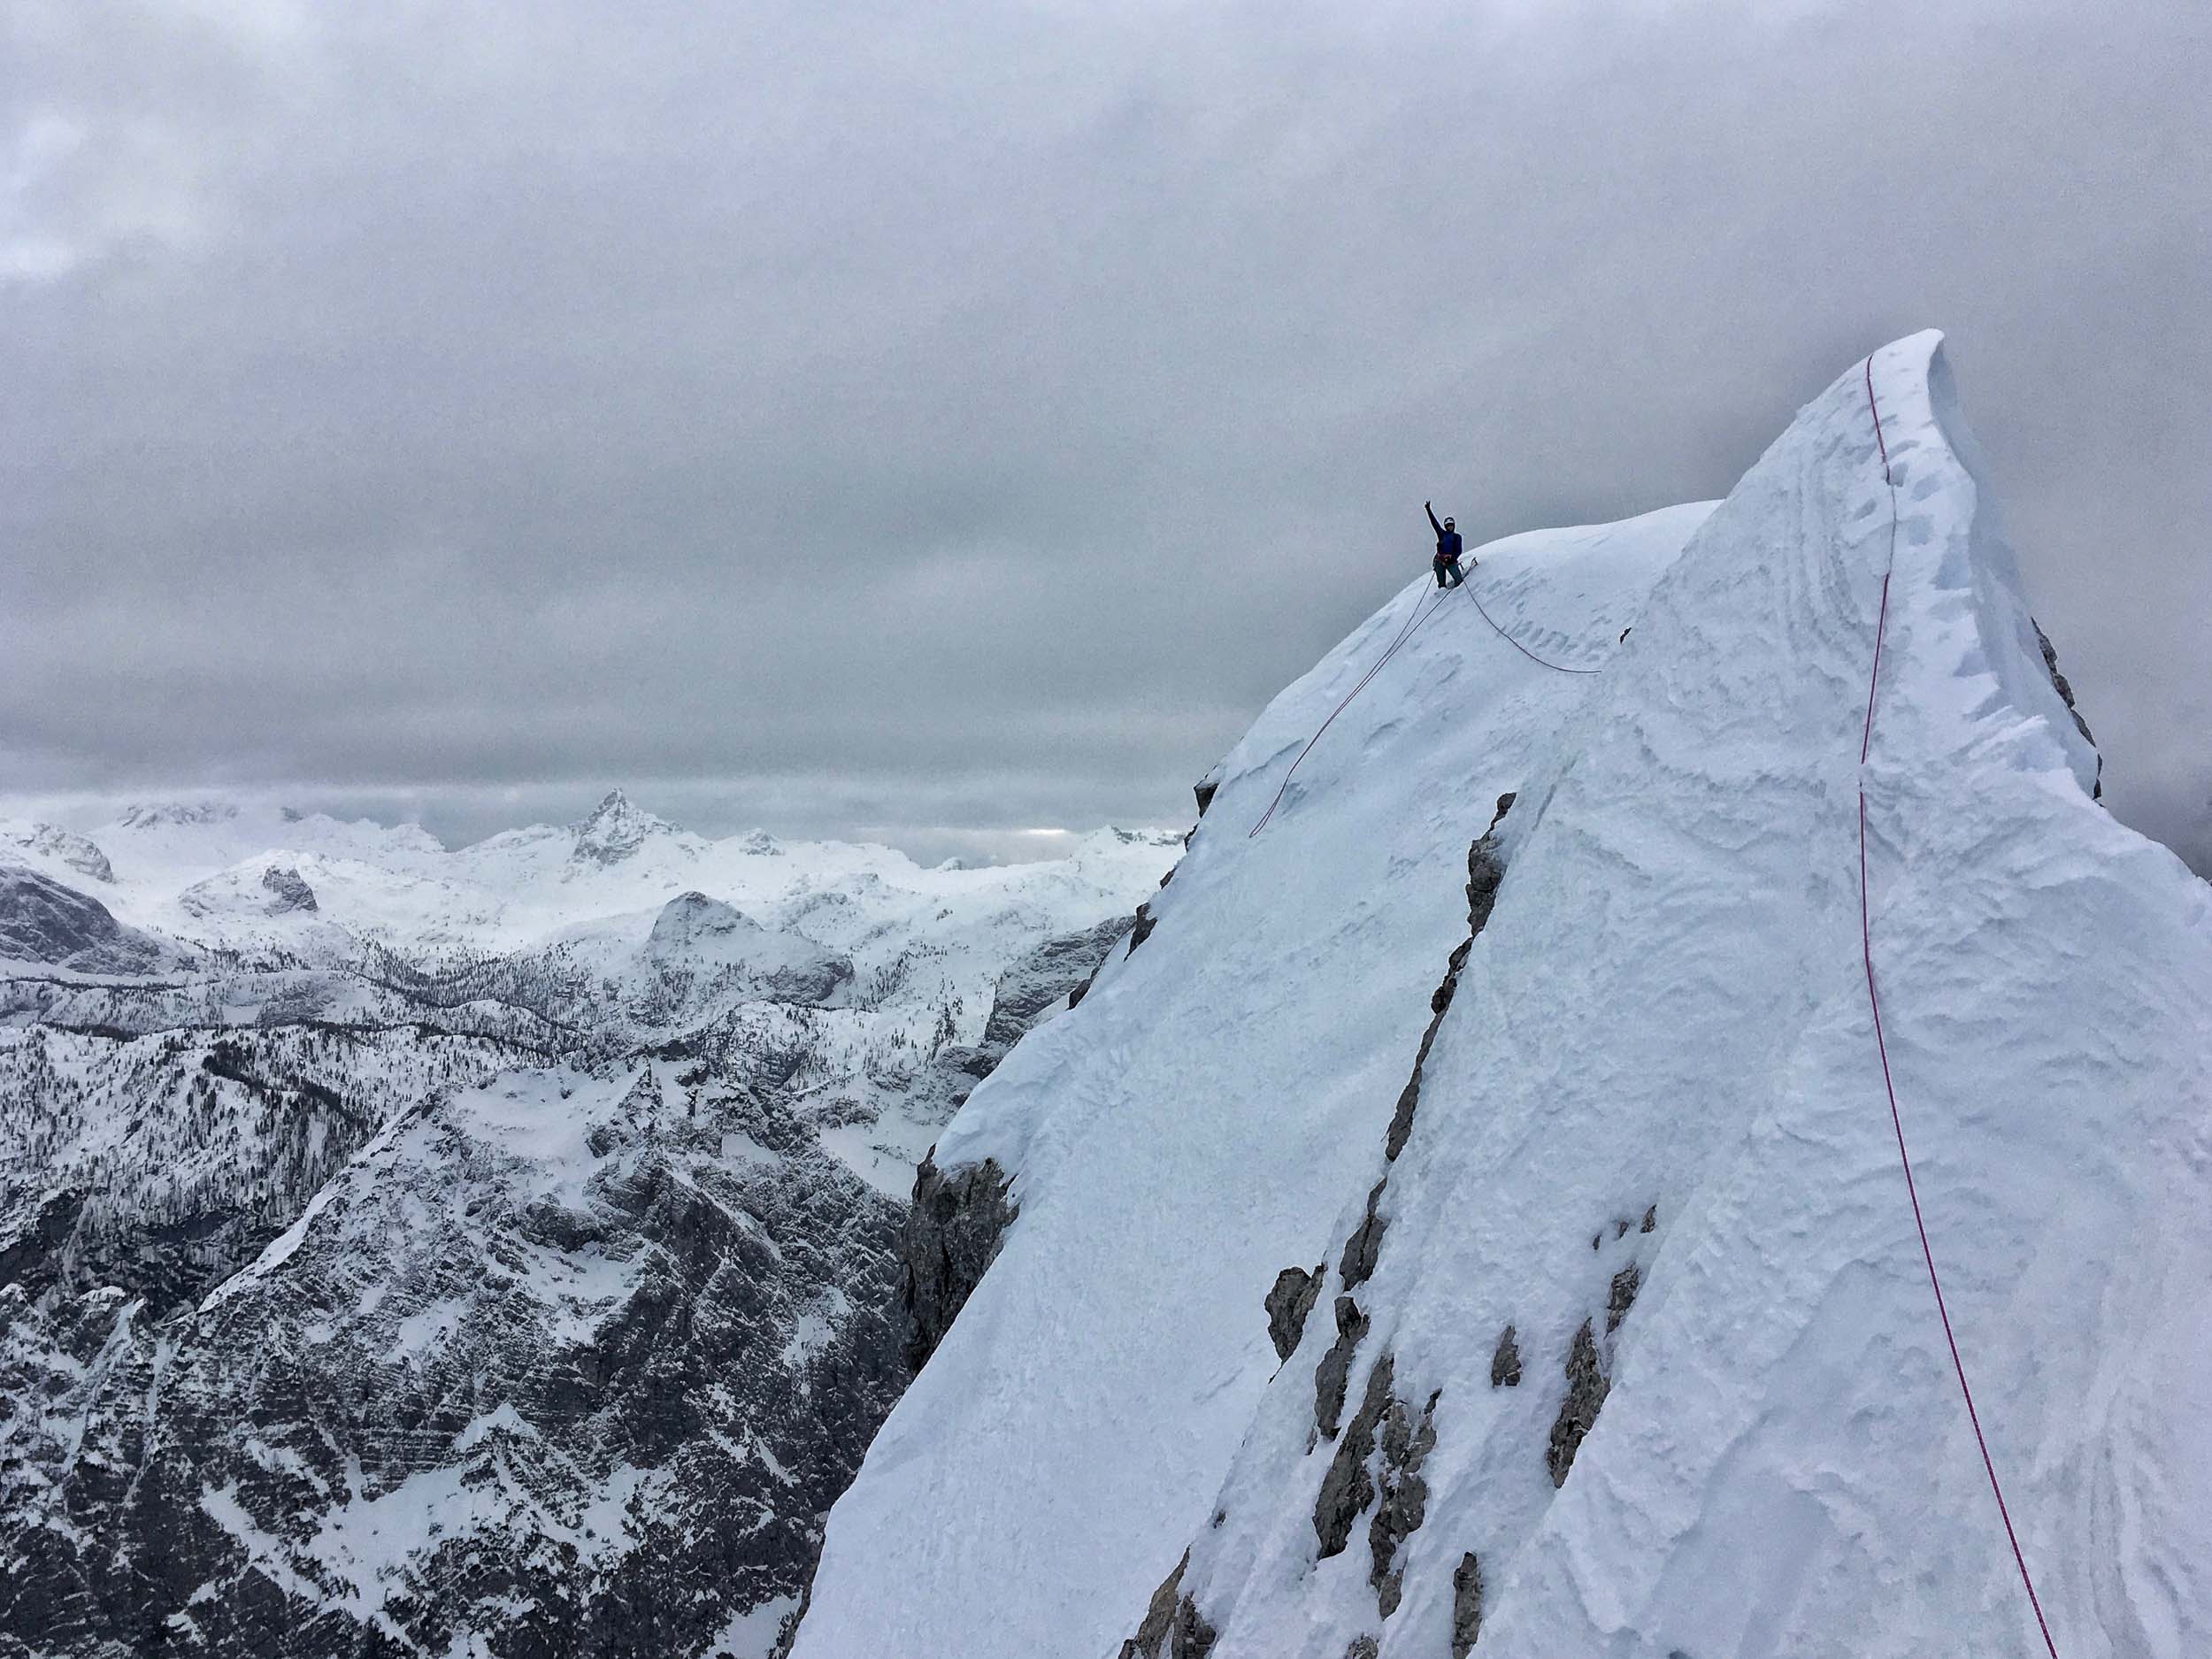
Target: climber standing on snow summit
x=1447 y=545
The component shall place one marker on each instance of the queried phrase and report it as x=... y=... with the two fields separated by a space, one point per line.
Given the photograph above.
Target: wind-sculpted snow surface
x=1630 y=1348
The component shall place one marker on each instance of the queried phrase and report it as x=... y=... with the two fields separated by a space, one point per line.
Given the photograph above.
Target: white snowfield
x=1666 y=1015
x=201 y=870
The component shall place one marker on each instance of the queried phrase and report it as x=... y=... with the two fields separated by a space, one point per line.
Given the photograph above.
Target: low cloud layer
x=929 y=422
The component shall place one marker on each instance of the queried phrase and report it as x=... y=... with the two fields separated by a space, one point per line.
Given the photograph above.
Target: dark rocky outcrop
x=2065 y=690
x=31 y=1240
x=1364 y=1247
x=1486 y=869
x=289 y=892
x=1622 y=1296
x=953 y=1231
x=1288 y=1304
x=1402 y=1496
x=1587 y=1388
x=1347 y=1488
x=1331 y=1377
x=1466 y=1605
x=1505 y=1364
x=1156 y=1631
x=1193 y=1637
x=42 y=921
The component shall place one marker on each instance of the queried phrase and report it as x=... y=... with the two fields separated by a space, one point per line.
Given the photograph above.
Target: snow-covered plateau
x=498 y=1251
x=1471 y=1217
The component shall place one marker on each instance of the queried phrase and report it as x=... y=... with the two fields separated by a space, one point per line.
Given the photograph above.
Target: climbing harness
x=1422 y=611
x=1881 y=1046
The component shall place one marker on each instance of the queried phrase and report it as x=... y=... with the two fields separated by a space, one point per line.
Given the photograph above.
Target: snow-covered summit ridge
x=1617 y=1338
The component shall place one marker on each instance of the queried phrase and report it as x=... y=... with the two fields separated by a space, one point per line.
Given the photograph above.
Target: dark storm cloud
x=914 y=420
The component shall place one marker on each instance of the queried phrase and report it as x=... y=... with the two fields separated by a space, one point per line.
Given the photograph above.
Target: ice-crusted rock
x=288 y=891
x=42 y=921
x=1288 y=1301
x=76 y=852
x=168 y=814
x=954 y=1229
x=615 y=830
x=702 y=947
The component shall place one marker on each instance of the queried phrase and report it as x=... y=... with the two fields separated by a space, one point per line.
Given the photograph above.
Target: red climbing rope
x=1881 y=1045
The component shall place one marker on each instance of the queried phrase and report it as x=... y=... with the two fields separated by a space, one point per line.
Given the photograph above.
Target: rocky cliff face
x=570 y=1364
x=71 y=850
x=42 y=921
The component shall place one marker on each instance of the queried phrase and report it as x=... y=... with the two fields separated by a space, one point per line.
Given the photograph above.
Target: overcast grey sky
x=924 y=421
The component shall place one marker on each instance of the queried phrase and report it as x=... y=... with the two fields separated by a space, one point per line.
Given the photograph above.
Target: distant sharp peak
x=159 y=814
x=616 y=829
x=760 y=844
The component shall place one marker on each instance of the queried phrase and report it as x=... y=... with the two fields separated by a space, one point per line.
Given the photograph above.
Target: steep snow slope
x=1195 y=1125
x=1624 y=1343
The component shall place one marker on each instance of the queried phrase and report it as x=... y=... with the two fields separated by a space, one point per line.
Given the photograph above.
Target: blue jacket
x=1448 y=542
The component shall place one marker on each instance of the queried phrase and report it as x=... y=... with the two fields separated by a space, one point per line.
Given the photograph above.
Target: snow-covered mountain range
x=1474 y=1219
x=1475 y=1205
x=486 y=1251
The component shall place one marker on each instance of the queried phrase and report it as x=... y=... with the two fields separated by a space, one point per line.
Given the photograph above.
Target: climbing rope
x=1517 y=646
x=1422 y=611
x=1881 y=1045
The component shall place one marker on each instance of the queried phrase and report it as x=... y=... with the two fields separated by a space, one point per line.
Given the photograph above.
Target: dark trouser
x=1450 y=567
